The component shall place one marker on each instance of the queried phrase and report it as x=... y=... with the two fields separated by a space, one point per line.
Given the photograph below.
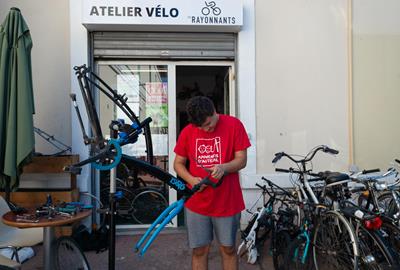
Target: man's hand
x=196 y=180
x=217 y=171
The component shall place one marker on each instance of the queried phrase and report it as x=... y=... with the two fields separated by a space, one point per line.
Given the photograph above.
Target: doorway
x=160 y=89
x=209 y=81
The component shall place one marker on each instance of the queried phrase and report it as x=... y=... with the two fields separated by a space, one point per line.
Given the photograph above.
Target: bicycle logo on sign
x=210 y=6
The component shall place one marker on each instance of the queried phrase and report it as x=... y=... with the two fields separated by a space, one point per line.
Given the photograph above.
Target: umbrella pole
x=7 y=189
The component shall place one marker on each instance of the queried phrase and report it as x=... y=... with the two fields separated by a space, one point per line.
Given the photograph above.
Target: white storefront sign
x=217 y=14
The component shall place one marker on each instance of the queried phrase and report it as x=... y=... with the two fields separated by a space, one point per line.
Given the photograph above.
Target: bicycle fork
x=304 y=255
x=166 y=216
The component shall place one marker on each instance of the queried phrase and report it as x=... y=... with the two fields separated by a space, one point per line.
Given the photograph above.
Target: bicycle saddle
x=334 y=177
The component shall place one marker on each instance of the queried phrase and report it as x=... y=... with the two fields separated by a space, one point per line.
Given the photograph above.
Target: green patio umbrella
x=16 y=98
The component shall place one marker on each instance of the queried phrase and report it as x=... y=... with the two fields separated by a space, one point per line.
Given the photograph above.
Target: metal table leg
x=48 y=245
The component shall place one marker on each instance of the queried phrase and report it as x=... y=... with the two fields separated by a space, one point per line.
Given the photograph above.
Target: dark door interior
x=210 y=81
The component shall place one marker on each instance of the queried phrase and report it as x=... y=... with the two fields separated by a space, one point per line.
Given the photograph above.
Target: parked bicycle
x=384 y=235
x=275 y=219
x=326 y=238
x=140 y=202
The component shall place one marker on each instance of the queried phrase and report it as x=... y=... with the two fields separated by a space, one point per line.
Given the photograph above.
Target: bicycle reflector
x=373 y=224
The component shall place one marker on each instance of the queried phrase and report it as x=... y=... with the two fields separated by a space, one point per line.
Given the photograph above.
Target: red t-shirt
x=209 y=149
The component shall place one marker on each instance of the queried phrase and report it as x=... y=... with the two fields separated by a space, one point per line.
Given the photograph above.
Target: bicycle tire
x=294 y=255
x=374 y=252
x=335 y=243
x=68 y=255
x=4 y=267
x=387 y=203
x=147 y=205
x=393 y=237
x=280 y=241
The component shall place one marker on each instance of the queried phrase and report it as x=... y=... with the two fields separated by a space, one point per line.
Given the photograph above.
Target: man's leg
x=226 y=229
x=229 y=258
x=200 y=258
x=200 y=236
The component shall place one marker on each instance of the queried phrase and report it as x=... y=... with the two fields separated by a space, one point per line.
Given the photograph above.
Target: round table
x=48 y=225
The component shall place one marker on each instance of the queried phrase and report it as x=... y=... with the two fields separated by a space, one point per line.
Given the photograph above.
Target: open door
x=200 y=80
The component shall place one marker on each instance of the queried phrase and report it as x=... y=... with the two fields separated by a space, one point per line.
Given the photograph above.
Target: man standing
x=218 y=144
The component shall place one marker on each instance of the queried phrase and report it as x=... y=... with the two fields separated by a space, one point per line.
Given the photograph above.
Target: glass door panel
x=146 y=87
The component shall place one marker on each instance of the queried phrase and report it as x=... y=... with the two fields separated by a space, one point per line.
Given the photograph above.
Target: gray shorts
x=202 y=228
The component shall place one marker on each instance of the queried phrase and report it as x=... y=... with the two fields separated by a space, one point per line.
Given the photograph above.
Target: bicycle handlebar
x=292 y=170
x=370 y=171
x=311 y=154
x=206 y=181
x=272 y=185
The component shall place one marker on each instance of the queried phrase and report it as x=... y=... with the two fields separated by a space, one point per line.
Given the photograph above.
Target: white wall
x=48 y=22
x=78 y=57
x=302 y=80
x=376 y=63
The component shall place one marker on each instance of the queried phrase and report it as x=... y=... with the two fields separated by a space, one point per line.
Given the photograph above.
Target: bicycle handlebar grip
x=258 y=185
x=266 y=180
x=316 y=179
x=282 y=170
x=331 y=150
x=73 y=97
x=208 y=182
x=72 y=169
x=370 y=171
x=277 y=157
x=319 y=175
x=397 y=160
x=146 y=121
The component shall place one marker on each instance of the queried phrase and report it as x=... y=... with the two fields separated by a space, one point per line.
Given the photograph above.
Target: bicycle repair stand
x=112 y=212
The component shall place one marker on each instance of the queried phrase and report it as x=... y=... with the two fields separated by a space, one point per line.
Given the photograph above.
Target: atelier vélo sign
x=116 y=11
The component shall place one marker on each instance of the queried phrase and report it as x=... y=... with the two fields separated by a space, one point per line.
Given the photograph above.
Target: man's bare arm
x=182 y=171
x=236 y=164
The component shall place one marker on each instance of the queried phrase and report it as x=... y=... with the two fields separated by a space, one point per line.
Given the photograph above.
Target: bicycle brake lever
x=277 y=157
x=72 y=169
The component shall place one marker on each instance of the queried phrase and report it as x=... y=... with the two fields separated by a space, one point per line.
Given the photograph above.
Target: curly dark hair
x=198 y=109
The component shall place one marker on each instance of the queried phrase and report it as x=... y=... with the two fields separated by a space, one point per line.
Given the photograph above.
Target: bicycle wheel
x=387 y=203
x=335 y=243
x=147 y=205
x=374 y=253
x=280 y=243
x=124 y=208
x=392 y=236
x=297 y=255
x=69 y=256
